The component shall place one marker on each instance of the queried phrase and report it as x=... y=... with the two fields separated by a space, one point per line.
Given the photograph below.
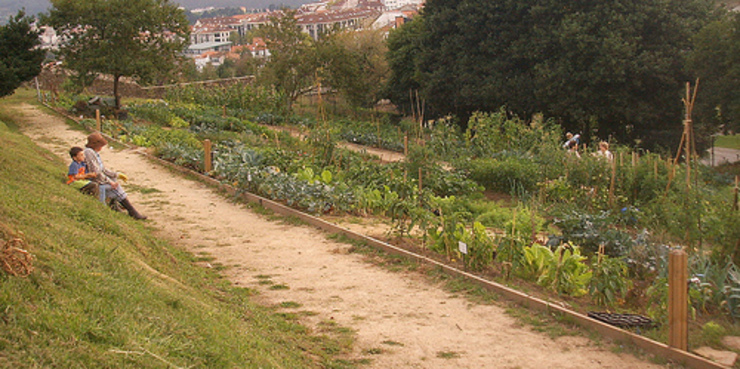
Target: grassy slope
x=107 y=293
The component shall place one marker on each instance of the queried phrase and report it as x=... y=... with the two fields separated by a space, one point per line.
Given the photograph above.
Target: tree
x=21 y=58
x=617 y=68
x=403 y=59
x=612 y=66
x=354 y=63
x=714 y=61
x=141 y=39
x=291 y=68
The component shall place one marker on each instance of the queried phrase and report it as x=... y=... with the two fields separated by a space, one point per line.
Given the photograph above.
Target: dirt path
x=401 y=320
x=722 y=155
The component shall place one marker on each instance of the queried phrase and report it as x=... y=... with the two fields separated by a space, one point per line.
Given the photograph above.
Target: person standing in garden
x=571 y=143
x=604 y=151
x=105 y=178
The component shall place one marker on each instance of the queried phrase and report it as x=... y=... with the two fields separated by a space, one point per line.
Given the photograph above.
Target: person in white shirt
x=604 y=151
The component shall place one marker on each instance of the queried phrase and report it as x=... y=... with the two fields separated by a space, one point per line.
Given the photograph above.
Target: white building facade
x=395 y=4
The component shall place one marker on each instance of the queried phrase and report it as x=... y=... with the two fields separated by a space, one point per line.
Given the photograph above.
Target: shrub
x=591 y=231
x=239 y=97
x=181 y=154
x=157 y=113
x=609 y=281
x=504 y=175
x=712 y=333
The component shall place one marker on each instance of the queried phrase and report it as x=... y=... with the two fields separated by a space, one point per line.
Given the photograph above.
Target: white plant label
x=463 y=247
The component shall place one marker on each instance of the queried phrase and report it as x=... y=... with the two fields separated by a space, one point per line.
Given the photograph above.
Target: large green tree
x=141 y=39
x=20 y=58
x=403 y=57
x=291 y=68
x=354 y=63
x=612 y=65
x=715 y=60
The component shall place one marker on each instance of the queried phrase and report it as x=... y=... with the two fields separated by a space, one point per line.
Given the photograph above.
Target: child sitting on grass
x=77 y=175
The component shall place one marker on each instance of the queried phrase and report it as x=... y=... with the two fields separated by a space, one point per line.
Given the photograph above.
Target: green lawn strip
x=730 y=141
x=105 y=292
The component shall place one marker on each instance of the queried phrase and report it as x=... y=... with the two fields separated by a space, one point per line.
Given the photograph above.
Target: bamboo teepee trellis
x=688 y=144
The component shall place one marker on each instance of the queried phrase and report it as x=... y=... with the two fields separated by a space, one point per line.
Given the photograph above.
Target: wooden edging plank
x=651 y=346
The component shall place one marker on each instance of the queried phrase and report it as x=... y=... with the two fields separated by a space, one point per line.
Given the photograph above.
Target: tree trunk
x=115 y=91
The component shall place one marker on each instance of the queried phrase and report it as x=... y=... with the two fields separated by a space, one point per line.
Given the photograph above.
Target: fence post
x=38 y=90
x=207 y=158
x=678 y=309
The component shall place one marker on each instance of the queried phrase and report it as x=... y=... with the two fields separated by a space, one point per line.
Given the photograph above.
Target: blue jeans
x=103 y=188
x=107 y=190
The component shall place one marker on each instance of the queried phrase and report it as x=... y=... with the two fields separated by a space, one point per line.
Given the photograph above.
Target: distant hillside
x=252 y=4
x=10 y=7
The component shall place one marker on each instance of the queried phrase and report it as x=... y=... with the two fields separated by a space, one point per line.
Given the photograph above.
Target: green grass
x=106 y=292
x=730 y=142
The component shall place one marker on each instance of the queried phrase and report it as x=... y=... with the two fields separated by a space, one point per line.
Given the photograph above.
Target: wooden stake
x=421 y=115
x=735 y=204
x=687 y=133
x=678 y=310
x=411 y=102
x=611 y=183
x=671 y=168
x=532 y=224
x=655 y=169
x=208 y=159
x=378 y=125
x=97 y=119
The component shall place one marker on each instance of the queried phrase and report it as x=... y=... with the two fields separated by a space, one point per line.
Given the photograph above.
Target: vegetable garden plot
x=440 y=208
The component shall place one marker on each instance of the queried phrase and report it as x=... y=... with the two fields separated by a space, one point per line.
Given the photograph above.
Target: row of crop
x=262 y=106
x=241 y=99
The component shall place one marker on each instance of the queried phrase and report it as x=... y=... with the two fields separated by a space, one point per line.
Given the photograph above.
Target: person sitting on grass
x=105 y=178
x=77 y=176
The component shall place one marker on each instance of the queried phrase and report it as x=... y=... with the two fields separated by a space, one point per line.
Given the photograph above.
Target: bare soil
x=400 y=319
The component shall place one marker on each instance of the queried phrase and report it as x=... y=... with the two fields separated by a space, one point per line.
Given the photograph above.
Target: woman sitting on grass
x=106 y=179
